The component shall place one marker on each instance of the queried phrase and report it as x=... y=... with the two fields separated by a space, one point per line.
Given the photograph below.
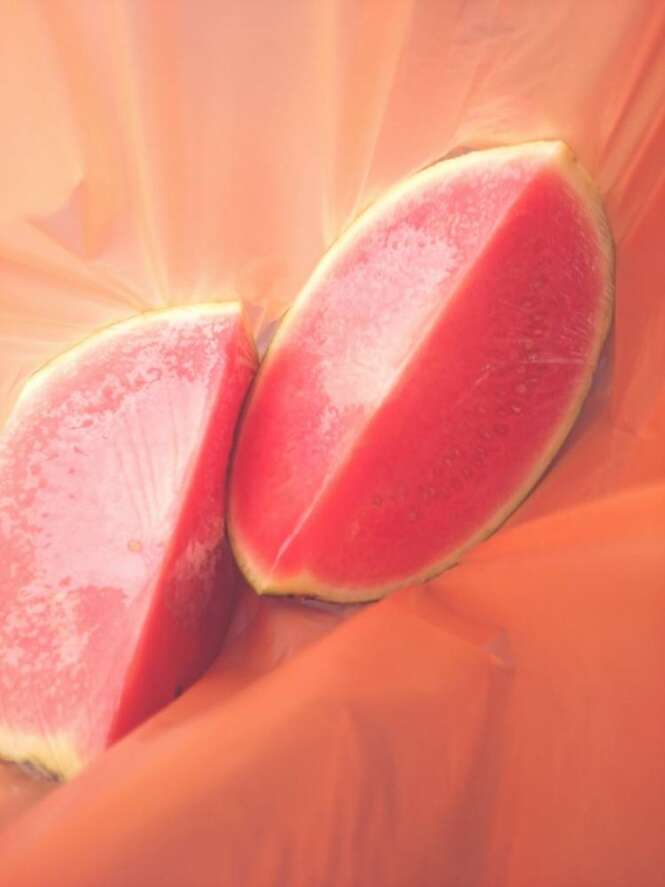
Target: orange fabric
x=500 y=727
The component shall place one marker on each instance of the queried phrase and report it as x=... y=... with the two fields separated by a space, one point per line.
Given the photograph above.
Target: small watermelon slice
x=425 y=377
x=115 y=577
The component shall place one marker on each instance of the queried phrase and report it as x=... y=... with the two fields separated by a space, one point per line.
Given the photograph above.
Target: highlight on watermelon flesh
x=425 y=377
x=115 y=576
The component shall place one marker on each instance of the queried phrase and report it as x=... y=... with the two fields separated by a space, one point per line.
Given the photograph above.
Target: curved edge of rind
x=55 y=756
x=44 y=373
x=307 y=584
x=51 y=757
x=437 y=171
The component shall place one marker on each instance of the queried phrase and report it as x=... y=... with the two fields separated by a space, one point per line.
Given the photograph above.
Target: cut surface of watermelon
x=425 y=376
x=115 y=575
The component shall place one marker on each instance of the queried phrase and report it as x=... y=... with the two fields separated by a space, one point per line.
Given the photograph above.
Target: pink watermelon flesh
x=425 y=377
x=115 y=576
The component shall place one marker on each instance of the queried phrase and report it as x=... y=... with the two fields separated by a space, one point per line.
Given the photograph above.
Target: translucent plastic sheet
x=502 y=726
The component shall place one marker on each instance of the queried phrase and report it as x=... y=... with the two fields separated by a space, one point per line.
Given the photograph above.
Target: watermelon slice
x=425 y=377
x=115 y=576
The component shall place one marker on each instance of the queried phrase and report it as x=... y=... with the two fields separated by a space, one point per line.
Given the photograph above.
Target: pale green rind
x=54 y=756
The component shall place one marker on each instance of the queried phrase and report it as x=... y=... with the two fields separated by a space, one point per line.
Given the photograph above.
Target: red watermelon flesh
x=115 y=576
x=425 y=377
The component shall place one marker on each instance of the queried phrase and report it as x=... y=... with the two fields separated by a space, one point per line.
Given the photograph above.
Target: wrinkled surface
x=501 y=727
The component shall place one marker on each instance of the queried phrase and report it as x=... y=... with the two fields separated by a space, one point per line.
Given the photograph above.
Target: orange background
x=503 y=726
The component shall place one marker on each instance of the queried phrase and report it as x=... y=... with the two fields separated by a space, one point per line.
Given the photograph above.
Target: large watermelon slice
x=425 y=377
x=115 y=577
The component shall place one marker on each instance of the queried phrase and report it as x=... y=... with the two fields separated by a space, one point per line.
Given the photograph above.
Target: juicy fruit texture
x=115 y=576
x=425 y=377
